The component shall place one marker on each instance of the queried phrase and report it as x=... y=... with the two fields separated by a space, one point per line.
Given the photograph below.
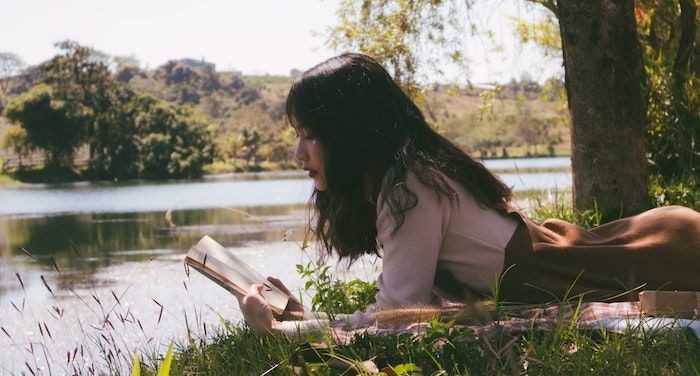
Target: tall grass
x=82 y=331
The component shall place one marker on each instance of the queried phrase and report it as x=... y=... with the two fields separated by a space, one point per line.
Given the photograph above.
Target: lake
x=96 y=269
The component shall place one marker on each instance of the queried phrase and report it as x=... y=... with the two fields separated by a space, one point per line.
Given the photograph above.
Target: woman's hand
x=256 y=311
x=294 y=310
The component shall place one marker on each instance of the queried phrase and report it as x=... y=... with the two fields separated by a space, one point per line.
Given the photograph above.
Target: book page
x=221 y=265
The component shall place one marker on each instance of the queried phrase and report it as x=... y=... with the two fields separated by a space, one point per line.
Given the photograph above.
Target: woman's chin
x=320 y=187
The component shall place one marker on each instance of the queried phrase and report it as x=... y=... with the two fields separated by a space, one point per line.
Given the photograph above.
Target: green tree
x=671 y=39
x=149 y=138
x=251 y=141
x=130 y=134
x=173 y=141
x=15 y=138
x=81 y=75
x=115 y=152
x=54 y=125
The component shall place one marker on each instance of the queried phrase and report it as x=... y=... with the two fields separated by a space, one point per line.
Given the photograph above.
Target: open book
x=223 y=267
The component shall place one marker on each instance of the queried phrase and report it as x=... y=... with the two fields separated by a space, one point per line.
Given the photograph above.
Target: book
x=221 y=266
x=683 y=304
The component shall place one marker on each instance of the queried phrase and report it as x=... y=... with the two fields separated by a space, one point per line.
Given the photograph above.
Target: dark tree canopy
x=52 y=124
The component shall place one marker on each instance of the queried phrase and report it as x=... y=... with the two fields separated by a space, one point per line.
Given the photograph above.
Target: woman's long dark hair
x=370 y=132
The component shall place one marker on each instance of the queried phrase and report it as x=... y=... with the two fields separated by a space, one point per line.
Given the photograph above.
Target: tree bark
x=603 y=78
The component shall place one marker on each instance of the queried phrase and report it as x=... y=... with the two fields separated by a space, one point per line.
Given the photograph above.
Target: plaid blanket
x=614 y=317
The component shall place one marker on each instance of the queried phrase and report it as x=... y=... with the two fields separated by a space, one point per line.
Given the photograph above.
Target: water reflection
x=102 y=239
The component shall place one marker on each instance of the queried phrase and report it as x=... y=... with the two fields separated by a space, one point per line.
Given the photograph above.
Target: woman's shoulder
x=433 y=186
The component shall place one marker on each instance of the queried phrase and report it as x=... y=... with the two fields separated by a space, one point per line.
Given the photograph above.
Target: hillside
x=517 y=119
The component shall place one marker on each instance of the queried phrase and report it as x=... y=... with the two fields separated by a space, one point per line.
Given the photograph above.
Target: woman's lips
x=312 y=173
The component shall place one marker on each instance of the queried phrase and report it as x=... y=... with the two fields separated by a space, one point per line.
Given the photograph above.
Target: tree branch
x=549 y=4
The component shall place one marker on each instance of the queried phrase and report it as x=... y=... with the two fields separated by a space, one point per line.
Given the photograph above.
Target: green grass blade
x=165 y=367
x=136 y=370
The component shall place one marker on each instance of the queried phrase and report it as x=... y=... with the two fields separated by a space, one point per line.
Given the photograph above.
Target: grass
x=446 y=349
x=557 y=204
x=41 y=175
x=8 y=179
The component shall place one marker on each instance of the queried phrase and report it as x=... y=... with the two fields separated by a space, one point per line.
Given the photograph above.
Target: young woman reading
x=386 y=183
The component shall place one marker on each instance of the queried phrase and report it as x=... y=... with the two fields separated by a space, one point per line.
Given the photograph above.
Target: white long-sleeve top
x=438 y=236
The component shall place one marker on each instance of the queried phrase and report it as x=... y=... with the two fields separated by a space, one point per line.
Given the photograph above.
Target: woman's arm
x=410 y=255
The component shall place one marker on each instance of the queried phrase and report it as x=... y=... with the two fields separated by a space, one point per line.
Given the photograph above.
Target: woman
x=385 y=180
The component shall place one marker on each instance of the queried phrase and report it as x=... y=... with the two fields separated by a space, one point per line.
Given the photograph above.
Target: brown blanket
x=658 y=249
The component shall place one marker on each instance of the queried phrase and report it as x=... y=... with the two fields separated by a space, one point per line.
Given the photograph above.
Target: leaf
x=406 y=369
x=165 y=367
x=136 y=370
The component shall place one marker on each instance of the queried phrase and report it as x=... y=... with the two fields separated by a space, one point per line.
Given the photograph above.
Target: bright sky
x=252 y=36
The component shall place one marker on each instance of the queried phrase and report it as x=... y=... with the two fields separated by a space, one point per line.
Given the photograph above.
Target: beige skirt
x=556 y=260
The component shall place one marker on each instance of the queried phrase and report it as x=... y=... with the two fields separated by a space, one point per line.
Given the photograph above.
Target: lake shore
x=31 y=177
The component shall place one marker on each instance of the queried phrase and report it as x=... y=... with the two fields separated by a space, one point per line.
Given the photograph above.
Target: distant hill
x=517 y=119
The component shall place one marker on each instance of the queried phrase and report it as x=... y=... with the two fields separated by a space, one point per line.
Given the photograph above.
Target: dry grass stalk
x=474 y=313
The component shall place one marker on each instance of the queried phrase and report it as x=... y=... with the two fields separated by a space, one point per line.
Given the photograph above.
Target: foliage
x=557 y=205
x=146 y=137
x=333 y=296
x=403 y=36
x=184 y=137
x=520 y=127
x=53 y=124
x=130 y=134
x=683 y=193
x=81 y=75
x=671 y=38
x=15 y=139
x=164 y=367
x=544 y=33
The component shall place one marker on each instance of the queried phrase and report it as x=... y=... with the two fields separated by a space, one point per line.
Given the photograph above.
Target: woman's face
x=310 y=152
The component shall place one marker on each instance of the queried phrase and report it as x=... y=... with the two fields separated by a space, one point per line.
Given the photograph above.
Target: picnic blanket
x=618 y=317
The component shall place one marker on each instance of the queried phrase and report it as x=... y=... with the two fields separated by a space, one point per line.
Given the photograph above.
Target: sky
x=251 y=36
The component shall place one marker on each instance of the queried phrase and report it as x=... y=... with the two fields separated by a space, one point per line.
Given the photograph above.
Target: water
x=263 y=189
x=528 y=163
x=111 y=256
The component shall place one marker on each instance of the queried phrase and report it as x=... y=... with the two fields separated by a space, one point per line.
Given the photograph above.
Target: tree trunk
x=604 y=77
